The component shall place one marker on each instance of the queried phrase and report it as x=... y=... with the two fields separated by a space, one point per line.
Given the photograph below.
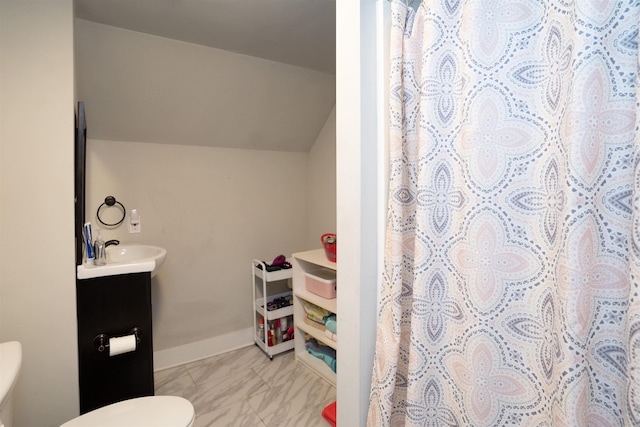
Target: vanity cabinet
x=308 y=263
x=114 y=306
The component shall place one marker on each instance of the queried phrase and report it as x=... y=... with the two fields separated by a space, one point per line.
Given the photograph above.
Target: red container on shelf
x=330 y=246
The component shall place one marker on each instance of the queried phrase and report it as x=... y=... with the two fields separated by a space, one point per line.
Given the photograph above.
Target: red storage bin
x=329 y=414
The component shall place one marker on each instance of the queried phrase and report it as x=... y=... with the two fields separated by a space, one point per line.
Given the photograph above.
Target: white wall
x=139 y=87
x=214 y=210
x=359 y=194
x=321 y=195
x=37 y=268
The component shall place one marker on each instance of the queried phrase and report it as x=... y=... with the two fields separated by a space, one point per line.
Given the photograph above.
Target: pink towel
x=331 y=335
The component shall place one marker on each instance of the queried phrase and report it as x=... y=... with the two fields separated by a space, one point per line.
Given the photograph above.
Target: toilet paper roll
x=121 y=345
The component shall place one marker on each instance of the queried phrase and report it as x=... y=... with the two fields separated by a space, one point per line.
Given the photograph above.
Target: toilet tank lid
x=149 y=411
x=10 y=363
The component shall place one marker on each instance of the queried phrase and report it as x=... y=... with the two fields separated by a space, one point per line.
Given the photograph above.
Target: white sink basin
x=126 y=259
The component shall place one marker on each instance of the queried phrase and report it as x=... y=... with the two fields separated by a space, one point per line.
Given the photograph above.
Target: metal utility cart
x=272 y=287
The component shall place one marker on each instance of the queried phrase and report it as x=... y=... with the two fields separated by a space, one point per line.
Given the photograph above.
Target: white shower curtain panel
x=512 y=259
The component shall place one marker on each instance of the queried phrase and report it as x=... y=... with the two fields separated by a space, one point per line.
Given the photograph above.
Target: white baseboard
x=175 y=356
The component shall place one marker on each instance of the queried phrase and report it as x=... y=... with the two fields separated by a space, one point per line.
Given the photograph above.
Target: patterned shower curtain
x=512 y=259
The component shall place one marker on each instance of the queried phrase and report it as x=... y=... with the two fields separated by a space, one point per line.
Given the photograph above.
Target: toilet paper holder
x=101 y=341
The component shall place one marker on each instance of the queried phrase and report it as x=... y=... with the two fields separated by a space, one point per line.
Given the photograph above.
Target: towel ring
x=111 y=201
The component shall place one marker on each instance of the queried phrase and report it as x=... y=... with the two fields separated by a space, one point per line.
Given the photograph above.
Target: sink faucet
x=111 y=242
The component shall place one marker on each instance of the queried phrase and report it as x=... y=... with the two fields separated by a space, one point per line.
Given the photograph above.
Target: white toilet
x=149 y=411
x=10 y=362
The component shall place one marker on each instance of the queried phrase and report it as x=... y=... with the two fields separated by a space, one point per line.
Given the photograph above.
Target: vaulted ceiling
x=257 y=74
x=295 y=32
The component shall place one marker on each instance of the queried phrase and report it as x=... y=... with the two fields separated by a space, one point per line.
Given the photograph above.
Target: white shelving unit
x=267 y=286
x=304 y=262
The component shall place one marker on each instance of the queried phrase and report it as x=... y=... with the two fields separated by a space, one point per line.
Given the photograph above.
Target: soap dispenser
x=100 y=251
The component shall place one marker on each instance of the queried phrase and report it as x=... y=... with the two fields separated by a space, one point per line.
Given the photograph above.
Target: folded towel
x=322 y=352
x=314 y=324
x=331 y=323
x=314 y=312
x=330 y=335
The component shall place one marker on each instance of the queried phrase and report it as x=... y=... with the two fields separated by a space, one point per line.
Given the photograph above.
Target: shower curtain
x=512 y=258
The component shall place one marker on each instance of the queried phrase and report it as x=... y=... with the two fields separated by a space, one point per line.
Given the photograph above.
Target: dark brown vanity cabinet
x=111 y=307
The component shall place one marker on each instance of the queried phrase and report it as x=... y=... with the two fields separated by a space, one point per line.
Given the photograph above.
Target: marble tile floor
x=245 y=388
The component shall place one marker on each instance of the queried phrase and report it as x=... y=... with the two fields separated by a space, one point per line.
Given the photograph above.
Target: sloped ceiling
x=295 y=32
x=286 y=49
